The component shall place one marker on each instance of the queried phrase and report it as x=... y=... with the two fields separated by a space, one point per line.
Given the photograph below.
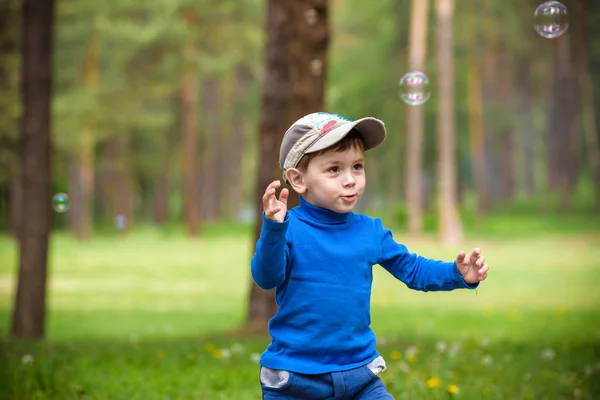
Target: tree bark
x=291 y=89
x=28 y=320
x=564 y=131
x=210 y=187
x=590 y=126
x=238 y=136
x=189 y=143
x=415 y=121
x=477 y=141
x=450 y=228
x=84 y=160
x=161 y=197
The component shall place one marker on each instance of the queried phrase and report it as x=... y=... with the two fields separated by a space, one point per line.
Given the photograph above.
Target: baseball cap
x=320 y=130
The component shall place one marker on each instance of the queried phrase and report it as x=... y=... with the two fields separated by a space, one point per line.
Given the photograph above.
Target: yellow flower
x=210 y=347
x=217 y=354
x=452 y=389
x=395 y=355
x=433 y=383
x=411 y=358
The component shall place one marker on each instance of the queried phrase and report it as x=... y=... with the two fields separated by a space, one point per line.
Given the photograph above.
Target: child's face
x=335 y=180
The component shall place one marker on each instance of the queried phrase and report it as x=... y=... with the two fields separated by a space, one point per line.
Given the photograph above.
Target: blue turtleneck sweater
x=321 y=264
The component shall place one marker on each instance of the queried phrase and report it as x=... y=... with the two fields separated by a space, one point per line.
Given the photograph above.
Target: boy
x=319 y=258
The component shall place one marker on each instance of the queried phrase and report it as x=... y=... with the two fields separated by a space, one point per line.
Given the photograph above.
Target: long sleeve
x=270 y=258
x=418 y=272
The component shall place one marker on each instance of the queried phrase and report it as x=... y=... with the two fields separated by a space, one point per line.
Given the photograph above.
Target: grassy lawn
x=147 y=316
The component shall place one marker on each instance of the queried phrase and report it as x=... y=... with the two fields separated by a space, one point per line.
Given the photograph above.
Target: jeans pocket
x=274 y=378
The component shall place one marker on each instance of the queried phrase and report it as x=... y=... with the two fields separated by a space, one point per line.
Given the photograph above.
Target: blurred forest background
x=147 y=93
x=161 y=120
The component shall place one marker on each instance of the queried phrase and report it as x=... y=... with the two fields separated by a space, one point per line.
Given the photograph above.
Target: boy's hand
x=275 y=209
x=472 y=266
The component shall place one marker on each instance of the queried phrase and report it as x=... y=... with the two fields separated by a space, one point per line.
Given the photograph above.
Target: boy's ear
x=296 y=180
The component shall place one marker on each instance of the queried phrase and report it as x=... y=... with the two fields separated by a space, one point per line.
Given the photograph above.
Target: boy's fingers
x=475 y=253
x=283 y=196
x=461 y=256
x=484 y=269
x=480 y=261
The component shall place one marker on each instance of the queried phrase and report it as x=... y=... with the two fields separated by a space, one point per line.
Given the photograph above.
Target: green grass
x=143 y=316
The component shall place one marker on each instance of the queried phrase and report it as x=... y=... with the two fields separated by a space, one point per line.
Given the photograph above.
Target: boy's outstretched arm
x=417 y=272
x=269 y=262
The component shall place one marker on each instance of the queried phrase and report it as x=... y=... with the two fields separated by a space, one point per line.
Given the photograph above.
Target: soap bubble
x=60 y=202
x=551 y=19
x=414 y=88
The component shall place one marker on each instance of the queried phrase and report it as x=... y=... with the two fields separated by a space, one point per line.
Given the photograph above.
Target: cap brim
x=371 y=129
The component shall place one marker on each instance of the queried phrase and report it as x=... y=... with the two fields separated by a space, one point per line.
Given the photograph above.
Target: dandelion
x=411 y=358
x=432 y=383
x=548 y=354
x=412 y=351
x=395 y=355
x=452 y=389
x=487 y=360
x=210 y=347
x=27 y=359
x=225 y=353
x=255 y=357
x=217 y=354
x=441 y=347
x=455 y=348
x=402 y=366
x=237 y=348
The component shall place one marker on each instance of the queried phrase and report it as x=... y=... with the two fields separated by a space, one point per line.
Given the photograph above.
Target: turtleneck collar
x=321 y=214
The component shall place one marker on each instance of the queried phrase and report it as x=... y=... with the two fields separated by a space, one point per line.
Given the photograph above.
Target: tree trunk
x=477 y=140
x=415 y=121
x=120 y=191
x=563 y=143
x=161 y=197
x=450 y=228
x=189 y=143
x=209 y=191
x=84 y=163
x=590 y=126
x=36 y=92
x=506 y=129
x=526 y=128
x=238 y=136
x=291 y=89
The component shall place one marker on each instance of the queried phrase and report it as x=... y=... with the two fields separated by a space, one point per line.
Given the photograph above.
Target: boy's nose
x=348 y=180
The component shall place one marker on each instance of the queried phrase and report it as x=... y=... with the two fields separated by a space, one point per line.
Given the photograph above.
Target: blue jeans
x=355 y=384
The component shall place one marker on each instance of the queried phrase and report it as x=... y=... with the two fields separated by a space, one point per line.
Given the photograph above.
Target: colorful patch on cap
x=324 y=122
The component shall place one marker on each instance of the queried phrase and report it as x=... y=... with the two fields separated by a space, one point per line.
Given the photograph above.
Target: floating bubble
x=60 y=202
x=311 y=16
x=120 y=221
x=316 y=67
x=551 y=19
x=414 y=88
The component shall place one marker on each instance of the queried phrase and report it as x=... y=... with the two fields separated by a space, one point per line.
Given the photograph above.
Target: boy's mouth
x=349 y=198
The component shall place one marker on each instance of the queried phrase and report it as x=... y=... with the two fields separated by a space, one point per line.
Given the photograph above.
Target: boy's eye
x=333 y=169
x=358 y=167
